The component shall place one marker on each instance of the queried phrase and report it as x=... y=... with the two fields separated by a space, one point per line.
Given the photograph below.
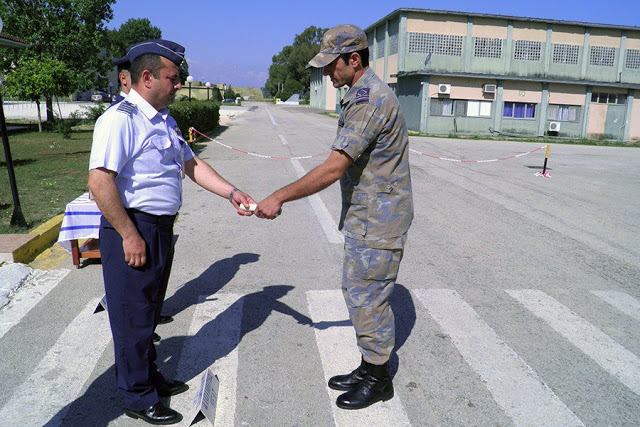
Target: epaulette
x=362 y=95
x=126 y=107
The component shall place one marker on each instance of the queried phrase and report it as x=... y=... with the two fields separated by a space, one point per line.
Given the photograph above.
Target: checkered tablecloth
x=81 y=221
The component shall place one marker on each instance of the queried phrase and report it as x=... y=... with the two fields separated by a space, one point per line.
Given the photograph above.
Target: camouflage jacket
x=377 y=201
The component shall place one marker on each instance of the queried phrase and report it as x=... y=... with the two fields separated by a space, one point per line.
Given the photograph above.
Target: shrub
x=202 y=115
x=92 y=113
x=64 y=127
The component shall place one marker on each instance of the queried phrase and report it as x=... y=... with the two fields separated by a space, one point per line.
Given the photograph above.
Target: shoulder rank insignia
x=362 y=95
x=126 y=107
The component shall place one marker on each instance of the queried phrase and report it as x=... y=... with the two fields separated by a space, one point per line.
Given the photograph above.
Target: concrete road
x=518 y=301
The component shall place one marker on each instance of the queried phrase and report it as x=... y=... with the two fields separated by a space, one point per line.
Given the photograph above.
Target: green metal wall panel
x=567 y=129
x=520 y=126
x=409 y=93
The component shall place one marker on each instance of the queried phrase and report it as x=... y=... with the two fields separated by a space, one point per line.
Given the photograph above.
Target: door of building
x=614 y=125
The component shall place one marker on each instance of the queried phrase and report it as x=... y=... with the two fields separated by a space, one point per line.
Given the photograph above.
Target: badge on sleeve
x=126 y=107
x=362 y=95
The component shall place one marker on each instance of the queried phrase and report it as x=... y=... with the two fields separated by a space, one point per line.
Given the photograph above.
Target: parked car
x=100 y=96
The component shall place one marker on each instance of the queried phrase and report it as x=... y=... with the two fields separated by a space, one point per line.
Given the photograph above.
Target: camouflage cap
x=338 y=40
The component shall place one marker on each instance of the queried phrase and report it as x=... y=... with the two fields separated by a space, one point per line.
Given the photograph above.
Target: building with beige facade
x=470 y=73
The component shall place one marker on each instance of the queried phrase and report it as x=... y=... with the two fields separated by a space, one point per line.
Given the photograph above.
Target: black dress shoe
x=349 y=381
x=165 y=319
x=155 y=337
x=368 y=392
x=171 y=388
x=156 y=414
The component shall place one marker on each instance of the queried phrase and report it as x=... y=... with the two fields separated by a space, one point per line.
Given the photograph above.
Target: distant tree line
x=70 y=49
x=288 y=74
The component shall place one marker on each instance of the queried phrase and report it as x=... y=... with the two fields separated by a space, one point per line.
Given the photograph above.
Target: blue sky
x=233 y=42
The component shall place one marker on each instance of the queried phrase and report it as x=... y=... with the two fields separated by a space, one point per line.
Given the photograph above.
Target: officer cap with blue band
x=170 y=50
x=122 y=63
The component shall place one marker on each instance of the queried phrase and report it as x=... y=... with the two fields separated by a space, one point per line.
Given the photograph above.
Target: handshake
x=269 y=208
x=252 y=208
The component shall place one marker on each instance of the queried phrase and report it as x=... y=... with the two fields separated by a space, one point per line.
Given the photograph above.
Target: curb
x=13 y=276
x=44 y=236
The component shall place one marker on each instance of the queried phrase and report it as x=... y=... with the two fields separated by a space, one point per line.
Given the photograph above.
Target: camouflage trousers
x=368 y=277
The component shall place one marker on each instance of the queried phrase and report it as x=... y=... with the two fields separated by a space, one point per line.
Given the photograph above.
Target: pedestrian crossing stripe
x=610 y=355
x=336 y=342
x=59 y=377
x=214 y=334
x=523 y=396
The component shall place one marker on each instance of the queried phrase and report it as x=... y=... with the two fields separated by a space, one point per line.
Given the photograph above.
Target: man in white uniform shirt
x=137 y=161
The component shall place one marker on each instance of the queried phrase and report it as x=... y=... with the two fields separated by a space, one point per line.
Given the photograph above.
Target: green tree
x=133 y=31
x=35 y=79
x=184 y=72
x=288 y=73
x=229 y=93
x=70 y=31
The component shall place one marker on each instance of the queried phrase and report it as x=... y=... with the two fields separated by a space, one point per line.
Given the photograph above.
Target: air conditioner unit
x=554 y=126
x=488 y=88
x=444 y=89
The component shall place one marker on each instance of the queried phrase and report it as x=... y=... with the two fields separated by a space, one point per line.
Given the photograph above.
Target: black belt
x=154 y=219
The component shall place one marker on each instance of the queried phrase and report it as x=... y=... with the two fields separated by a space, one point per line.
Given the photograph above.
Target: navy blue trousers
x=134 y=301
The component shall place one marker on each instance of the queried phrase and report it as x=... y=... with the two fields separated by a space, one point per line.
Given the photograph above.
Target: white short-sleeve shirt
x=143 y=146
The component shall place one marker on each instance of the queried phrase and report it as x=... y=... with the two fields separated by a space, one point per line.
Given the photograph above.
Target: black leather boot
x=375 y=386
x=349 y=381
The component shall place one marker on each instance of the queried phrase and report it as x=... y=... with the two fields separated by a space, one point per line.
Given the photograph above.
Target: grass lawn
x=50 y=172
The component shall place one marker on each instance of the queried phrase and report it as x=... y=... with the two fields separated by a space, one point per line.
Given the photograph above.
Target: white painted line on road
x=607 y=353
x=283 y=140
x=214 y=330
x=273 y=121
x=336 y=342
x=45 y=397
x=320 y=210
x=28 y=296
x=623 y=302
x=512 y=383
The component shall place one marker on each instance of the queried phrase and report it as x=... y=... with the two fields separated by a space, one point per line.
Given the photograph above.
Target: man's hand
x=102 y=185
x=242 y=198
x=135 y=251
x=269 y=208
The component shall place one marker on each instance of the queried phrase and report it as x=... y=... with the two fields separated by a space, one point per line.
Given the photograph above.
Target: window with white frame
x=527 y=50
x=478 y=108
x=609 y=98
x=563 y=113
x=519 y=110
x=565 y=53
x=436 y=44
x=602 y=56
x=633 y=59
x=460 y=108
x=445 y=107
x=487 y=48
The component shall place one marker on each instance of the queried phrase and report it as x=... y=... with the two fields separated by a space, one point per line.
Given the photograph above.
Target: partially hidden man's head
x=124 y=76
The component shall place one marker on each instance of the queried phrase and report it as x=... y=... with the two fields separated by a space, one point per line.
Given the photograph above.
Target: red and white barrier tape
x=324 y=154
x=477 y=161
x=260 y=155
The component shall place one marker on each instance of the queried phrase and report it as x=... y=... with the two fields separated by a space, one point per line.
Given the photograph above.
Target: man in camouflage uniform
x=370 y=156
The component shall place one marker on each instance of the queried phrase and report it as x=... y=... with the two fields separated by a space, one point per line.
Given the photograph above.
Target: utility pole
x=17 y=219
